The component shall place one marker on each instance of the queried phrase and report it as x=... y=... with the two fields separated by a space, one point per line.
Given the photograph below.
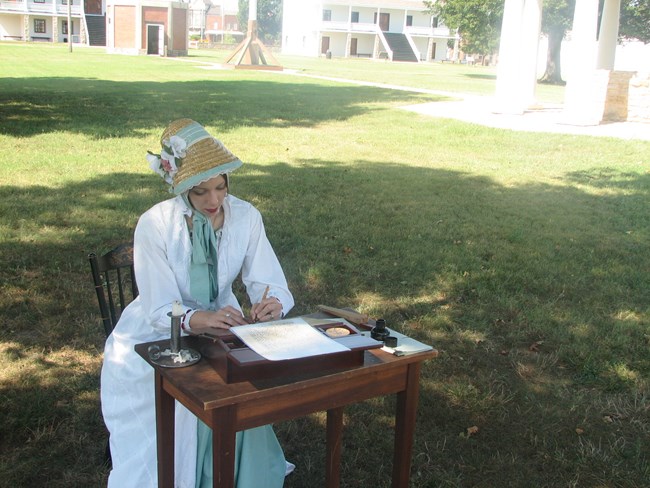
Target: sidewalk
x=478 y=110
x=547 y=118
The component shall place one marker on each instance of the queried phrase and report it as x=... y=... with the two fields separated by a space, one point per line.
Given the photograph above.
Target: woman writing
x=190 y=249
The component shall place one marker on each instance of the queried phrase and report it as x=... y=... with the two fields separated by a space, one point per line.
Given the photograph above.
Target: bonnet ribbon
x=204 y=286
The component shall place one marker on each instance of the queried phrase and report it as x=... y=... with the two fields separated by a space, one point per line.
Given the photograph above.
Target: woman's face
x=208 y=196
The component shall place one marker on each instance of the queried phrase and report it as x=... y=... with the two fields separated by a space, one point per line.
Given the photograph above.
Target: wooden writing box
x=236 y=362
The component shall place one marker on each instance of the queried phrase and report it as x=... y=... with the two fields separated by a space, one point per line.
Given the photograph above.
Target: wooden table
x=229 y=408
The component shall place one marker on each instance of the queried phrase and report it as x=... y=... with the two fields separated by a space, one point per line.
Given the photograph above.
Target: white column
x=454 y=56
x=530 y=48
x=509 y=58
x=608 y=35
x=138 y=29
x=581 y=94
x=170 y=30
x=252 y=10
x=517 y=63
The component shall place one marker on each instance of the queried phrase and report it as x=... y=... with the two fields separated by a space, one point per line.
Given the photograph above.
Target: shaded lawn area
x=522 y=257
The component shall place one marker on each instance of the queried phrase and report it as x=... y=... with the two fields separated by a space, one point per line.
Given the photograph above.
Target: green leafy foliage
x=478 y=22
x=635 y=20
x=269 y=19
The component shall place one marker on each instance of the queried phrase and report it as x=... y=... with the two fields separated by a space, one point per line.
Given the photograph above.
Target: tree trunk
x=553 y=73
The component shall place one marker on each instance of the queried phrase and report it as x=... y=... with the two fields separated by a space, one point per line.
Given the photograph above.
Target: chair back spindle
x=115 y=285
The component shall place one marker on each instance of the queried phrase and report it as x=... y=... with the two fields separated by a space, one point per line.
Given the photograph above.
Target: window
x=434 y=22
x=355 y=18
x=39 y=1
x=39 y=26
x=64 y=27
x=327 y=15
x=409 y=20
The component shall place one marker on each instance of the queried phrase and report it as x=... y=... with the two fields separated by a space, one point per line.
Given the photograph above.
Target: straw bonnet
x=190 y=156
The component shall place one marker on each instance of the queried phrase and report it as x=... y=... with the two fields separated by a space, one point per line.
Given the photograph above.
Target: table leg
x=223 y=447
x=334 y=438
x=407 y=403
x=164 y=434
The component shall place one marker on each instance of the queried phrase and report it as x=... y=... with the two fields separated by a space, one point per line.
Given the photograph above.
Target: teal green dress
x=259 y=460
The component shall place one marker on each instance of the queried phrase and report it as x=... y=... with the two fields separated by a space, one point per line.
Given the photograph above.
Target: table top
x=206 y=389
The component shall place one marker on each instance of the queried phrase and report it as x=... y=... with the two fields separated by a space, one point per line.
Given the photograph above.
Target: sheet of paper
x=286 y=339
x=405 y=345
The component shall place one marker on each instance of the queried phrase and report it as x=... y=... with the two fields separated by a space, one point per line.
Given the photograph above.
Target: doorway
x=156 y=39
x=384 y=21
x=353 y=46
x=324 y=45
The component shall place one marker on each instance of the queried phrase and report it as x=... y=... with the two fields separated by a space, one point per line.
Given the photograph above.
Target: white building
x=47 y=21
x=213 y=20
x=399 y=30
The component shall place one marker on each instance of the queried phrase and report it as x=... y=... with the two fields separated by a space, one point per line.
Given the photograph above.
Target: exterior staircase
x=400 y=46
x=96 y=30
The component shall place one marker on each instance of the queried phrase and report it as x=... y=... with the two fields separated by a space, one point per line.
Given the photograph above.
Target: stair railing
x=382 y=38
x=84 y=32
x=416 y=51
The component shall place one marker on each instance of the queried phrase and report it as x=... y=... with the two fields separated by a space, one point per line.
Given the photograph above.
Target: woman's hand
x=268 y=309
x=221 y=319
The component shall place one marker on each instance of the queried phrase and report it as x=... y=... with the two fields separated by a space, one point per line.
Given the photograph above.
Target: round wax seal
x=337 y=332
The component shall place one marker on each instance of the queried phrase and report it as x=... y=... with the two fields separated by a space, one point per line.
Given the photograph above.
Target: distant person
x=190 y=249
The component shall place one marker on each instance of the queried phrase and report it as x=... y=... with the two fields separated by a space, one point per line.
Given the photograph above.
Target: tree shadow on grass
x=480 y=270
x=107 y=109
x=481 y=76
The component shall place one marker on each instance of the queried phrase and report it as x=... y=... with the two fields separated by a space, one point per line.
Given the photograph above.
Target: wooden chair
x=115 y=283
x=114 y=280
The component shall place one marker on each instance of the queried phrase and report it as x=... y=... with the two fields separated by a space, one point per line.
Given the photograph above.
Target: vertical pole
x=530 y=43
x=608 y=35
x=69 y=25
x=252 y=33
x=252 y=11
x=580 y=105
x=510 y=53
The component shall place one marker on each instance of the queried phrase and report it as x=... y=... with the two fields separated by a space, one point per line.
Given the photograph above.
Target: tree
x=269 y=19
x=478 y=22
x=557 y=18
x=635 y=20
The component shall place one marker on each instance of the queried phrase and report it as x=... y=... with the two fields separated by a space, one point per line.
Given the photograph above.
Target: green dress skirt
x=259 y=460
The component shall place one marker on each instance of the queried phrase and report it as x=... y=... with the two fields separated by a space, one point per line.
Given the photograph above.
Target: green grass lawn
x=472 y=80
x=522 y=257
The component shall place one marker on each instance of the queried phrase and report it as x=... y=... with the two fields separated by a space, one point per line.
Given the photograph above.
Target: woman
x=190 y=249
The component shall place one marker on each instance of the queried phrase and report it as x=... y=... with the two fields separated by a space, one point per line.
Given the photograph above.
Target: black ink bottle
x=379 y=332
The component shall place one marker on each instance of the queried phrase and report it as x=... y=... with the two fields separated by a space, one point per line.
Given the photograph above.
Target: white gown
x=162 y=256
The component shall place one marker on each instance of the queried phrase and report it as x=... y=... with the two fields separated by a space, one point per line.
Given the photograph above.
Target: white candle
x=177 y=308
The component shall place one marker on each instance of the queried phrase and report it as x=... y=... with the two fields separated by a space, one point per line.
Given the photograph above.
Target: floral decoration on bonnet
x=170 y=159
